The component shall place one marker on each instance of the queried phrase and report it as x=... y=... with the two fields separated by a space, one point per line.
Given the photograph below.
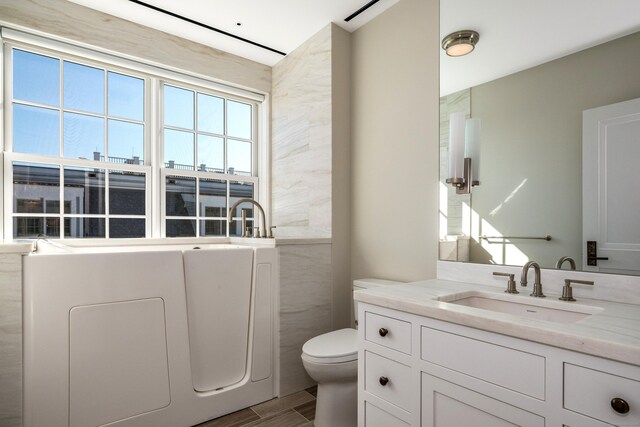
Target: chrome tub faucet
x=247 y=200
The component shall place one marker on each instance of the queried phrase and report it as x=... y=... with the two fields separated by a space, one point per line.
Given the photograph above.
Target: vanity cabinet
x=418 y=371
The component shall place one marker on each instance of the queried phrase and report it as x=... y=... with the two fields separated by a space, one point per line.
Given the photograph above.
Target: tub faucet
x=41 y=236
x=247 y=200
x=537 y=286
x=572 y=263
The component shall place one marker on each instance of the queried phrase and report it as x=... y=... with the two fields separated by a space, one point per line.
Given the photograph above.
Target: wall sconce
x=464 y=153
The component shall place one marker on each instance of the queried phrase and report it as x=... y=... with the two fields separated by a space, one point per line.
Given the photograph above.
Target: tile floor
x=296 y=410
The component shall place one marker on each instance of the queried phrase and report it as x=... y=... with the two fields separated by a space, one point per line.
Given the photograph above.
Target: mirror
x=531 y=165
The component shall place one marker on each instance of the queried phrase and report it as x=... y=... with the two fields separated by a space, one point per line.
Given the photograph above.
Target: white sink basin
x=521 y=305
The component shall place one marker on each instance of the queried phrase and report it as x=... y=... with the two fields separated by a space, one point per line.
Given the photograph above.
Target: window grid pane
x=36 y=190
x=86 y=96
x=83 y=88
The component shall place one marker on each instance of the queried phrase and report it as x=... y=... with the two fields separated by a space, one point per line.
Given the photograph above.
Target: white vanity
x=426 y=362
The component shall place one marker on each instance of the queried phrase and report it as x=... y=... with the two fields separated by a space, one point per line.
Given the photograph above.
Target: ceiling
x=282 y=25
x=519 y=34
x=514 y=34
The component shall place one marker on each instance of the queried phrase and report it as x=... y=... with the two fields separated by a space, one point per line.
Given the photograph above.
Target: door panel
x=611 y=199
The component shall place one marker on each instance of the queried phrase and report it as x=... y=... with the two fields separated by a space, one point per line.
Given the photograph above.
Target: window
x=212 y=136
x=66 y=109
x=96 y=202
x=83 y=156
x=77 y=125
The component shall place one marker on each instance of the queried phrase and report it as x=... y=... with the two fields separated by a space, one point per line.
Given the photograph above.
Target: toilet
x=331 y=359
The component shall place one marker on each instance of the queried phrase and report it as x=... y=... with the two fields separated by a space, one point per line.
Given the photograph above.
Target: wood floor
x=295 y=410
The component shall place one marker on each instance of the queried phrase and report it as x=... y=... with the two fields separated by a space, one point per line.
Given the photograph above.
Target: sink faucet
x=247 y=200
x=572 y=263
x=537 y=286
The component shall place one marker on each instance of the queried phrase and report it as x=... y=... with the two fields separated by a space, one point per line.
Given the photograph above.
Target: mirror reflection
x=560 y=142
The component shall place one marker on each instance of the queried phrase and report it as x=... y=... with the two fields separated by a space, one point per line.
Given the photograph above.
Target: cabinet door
x=376 y=417
x=445 y=404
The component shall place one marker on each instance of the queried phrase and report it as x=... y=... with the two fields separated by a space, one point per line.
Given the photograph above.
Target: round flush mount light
x=460 y=43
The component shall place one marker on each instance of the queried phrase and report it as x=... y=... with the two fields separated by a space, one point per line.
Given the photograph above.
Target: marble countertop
x=15 y=247
x=612 y=332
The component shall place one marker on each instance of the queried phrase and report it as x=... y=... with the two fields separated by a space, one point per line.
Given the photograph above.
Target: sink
x=550 y=310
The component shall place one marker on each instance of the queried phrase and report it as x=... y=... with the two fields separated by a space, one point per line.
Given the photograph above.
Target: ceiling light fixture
x=460 y=43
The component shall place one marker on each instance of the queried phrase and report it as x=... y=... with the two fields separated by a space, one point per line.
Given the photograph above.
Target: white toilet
x=331 y=359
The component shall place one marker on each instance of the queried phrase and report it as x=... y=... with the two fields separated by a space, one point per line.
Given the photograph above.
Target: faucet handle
x=567 y=290
x=271 y=231
x=511 y=283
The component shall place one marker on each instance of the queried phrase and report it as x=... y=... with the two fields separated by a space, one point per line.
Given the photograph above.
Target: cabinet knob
x=619 y=405
x=385 y=380
x=383 y=332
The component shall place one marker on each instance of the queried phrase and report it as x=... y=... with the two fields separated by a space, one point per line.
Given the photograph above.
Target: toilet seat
x=333 y=347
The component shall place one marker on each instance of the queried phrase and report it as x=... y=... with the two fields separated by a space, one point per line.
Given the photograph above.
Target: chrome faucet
x=41 y=236
x=572 y=263
x=247 y=200
x=537 y=286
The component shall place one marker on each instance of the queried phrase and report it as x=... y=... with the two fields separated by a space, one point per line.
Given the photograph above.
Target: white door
x=610 y=190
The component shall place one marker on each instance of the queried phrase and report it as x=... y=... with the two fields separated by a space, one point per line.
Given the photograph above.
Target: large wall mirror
x=556 y=86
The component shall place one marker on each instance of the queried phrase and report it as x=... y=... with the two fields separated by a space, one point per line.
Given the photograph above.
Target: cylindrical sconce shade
x=472 y=146
x=456 y=145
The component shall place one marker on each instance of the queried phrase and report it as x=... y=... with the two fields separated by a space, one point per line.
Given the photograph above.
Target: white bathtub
x=147 y=335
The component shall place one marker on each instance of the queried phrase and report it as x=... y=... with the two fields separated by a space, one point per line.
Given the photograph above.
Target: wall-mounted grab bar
x=547 y=238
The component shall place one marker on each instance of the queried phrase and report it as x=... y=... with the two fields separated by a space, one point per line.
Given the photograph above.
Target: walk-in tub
x=157 y=335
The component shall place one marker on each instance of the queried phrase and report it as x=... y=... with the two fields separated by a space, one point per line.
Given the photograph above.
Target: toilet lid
x=333 y=347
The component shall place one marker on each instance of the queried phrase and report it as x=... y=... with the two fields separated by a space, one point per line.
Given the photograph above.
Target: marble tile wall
x=10 y=339
x=455 y=102
x=305 y=307
x=310 y=178
x=302 y=139
x=87 y=26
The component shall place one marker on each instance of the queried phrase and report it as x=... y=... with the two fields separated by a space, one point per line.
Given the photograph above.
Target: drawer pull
x=619 y=405
x=385 y=380
x=383 y=332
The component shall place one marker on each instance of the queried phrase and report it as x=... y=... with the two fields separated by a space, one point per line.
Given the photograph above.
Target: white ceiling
x=519 y=34
x=279 y=24
x=514 y=34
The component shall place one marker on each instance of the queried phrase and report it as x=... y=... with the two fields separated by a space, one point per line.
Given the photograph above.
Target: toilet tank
x=360 y=284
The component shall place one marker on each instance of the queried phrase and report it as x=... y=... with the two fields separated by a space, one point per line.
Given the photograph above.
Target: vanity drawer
x=590 y=392
x=388 y=332
x=505 y=367
x=388 y=379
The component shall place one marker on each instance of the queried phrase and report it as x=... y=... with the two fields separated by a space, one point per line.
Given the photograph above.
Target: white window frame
x=165 y=171
x=10 y=157
x=154 y=75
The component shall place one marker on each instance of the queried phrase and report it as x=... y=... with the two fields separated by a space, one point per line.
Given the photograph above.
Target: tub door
x=218 y=287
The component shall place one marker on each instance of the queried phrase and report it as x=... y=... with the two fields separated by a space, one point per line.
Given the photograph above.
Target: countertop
x=15 y=247
x=612 y=333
